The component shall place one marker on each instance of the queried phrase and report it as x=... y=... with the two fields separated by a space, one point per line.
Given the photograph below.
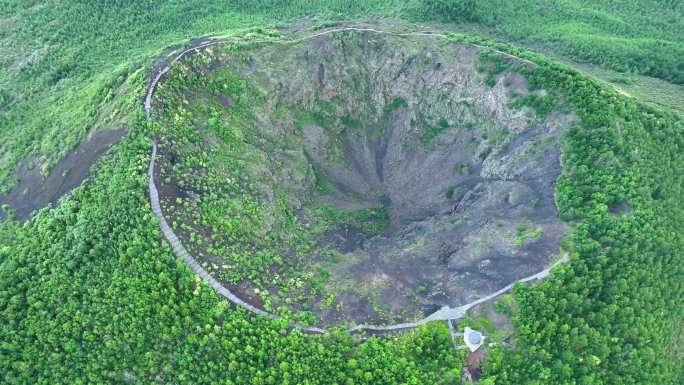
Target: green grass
x=524 y=233
x=460 y=168
x=451 y=191
x=655 y=92
x=491 y=64
x=431 y=131
x=371 y=221
x=640 y=36
x=396 y=103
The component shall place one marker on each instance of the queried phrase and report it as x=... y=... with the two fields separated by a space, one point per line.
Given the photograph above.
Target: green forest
x=91 y=293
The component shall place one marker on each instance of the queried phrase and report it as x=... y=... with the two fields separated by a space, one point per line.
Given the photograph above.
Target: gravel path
x=445 y=314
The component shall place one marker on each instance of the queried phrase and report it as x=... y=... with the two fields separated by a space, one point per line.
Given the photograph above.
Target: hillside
x=348 y=169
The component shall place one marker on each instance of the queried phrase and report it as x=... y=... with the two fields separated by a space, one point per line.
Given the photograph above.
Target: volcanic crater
x=358 y=176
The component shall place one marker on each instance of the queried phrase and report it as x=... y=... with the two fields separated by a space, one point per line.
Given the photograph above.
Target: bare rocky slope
x=35 y=190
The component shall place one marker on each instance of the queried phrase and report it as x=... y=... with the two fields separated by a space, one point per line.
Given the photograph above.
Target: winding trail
x=446 y=313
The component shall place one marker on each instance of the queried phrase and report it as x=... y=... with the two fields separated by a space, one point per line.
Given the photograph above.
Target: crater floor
x=358 y=176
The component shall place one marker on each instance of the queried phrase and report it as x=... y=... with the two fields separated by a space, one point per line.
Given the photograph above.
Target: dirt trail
x=445 y=314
